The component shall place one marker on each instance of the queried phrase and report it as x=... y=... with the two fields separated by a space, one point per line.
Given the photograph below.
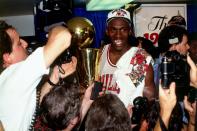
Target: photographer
x=22 y=73
x=175 y=39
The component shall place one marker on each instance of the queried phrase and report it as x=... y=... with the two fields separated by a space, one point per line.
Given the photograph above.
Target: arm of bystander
x=54 y=77
x=191 y=108
x=193 y=72
x=167 y=101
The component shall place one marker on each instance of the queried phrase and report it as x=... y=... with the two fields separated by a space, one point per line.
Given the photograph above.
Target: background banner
x=150 y=19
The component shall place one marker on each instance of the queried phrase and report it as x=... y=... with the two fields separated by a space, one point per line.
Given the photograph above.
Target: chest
x=113 y=58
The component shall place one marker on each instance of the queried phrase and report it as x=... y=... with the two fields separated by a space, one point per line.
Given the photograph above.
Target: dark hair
x=177 y=20
x=108 y=113
x=4 y=26
x=60 y=105
x=149 y=47
x=175 y=121
x=5 y=46
x=168 y=33
x=5 y=42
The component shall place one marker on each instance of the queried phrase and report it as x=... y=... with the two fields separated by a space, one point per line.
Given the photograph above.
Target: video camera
x=174 y=68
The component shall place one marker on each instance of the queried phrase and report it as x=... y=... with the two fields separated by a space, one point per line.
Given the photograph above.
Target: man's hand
x=167 y=101
x=86 y=102
x=59 y=39
x=87 y=94
x=191 y=108
x=167 y=98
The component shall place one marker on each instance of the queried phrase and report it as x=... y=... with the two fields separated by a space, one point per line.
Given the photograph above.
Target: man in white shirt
x=22 y=73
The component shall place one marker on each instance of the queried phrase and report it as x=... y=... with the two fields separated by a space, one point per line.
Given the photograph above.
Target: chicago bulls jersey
x=127 y=77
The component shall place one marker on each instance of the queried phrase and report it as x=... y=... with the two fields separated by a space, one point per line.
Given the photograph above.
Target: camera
x=139 y=109
x=65 y=57
x=192 y=95
x=174 y=68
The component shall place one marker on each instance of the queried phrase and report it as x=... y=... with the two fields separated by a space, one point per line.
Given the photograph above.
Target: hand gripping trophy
x=83 y=33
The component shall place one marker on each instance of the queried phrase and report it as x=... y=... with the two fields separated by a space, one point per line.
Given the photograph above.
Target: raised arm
x=86 y=102
x=54 y=77
x=167 y=101
x=59 y=39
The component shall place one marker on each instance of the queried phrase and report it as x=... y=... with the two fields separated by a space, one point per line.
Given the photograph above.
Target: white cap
x=119 y=13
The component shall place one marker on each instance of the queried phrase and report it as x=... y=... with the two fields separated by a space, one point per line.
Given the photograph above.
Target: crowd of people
x=129 y=69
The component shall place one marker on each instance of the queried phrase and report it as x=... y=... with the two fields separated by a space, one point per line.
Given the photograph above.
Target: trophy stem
x=88 y=66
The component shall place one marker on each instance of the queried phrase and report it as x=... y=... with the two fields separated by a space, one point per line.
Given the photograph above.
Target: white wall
x=24 y=24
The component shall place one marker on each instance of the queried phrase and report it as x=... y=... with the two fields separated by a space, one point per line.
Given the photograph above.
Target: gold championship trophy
x=82 y=37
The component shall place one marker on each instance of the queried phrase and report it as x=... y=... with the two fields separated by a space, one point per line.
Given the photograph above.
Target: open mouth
x=118 y=42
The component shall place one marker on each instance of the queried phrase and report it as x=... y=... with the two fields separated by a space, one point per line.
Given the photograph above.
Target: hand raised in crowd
x=193 y=72
x=54 y=77
x=167 y=101
x=129 y=109
x=86 y=102
x=191 y=108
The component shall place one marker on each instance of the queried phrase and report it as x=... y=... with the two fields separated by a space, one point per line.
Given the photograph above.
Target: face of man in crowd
x=19 y=51
x=118 y=31
x=183 y=47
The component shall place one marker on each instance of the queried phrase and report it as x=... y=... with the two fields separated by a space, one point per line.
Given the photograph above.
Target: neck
x=119 y=52
x=114 y=55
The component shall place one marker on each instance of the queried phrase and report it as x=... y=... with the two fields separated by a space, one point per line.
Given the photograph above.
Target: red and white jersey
x=127 y=77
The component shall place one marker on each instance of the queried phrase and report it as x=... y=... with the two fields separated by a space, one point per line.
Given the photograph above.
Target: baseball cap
x=119 y=13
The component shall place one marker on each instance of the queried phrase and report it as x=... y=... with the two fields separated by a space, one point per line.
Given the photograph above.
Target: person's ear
x=6 y=58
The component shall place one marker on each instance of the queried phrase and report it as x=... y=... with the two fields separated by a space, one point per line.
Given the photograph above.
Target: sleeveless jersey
x=127 y=77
